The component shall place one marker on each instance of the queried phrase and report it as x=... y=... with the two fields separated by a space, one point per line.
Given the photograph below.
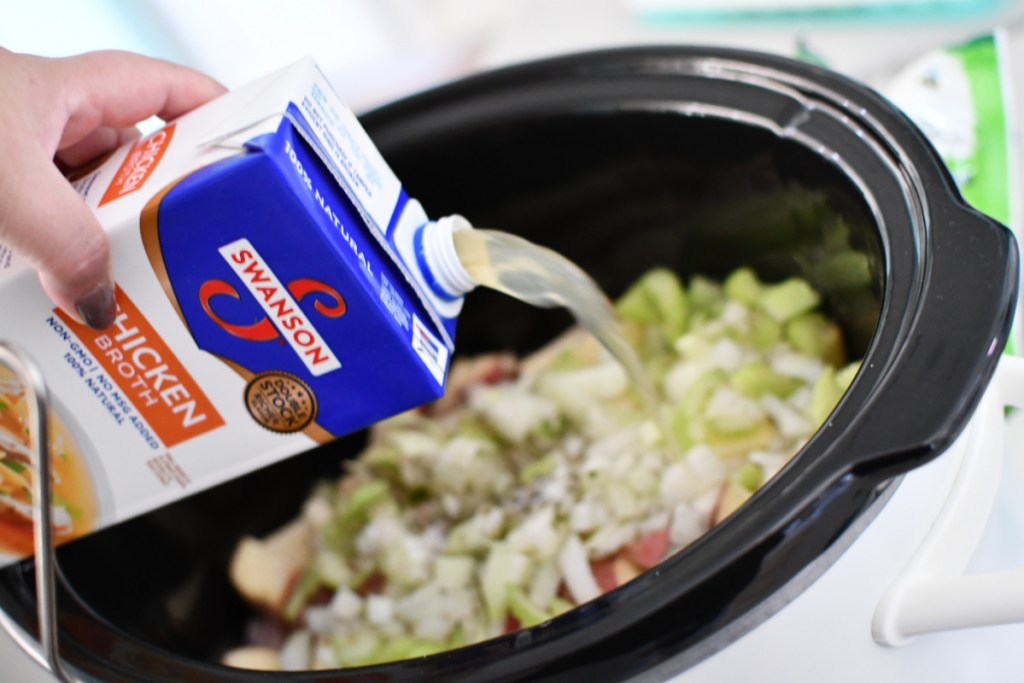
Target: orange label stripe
x=140 y=162
x=148 y=374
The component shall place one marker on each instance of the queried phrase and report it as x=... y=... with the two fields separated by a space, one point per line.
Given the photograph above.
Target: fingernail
x=98 y=308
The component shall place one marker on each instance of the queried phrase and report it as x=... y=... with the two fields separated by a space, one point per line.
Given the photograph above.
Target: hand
x=71 y=111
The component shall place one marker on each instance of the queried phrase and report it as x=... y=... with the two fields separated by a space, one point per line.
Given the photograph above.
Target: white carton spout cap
x=443 y=269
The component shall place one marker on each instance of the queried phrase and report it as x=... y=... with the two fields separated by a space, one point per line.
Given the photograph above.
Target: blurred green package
x=961 y=97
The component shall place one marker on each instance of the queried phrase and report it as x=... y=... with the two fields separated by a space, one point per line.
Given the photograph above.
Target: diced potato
x=263 y=571
x=254 y=657
x=730 y=497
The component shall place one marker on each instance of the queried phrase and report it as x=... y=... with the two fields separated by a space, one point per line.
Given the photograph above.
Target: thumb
x=45 y=219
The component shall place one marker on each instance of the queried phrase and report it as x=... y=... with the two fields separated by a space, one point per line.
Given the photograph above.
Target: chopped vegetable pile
x=534 y=486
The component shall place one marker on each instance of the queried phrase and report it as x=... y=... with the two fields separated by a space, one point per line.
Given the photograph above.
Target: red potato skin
x=604 y=573
x=649 y=550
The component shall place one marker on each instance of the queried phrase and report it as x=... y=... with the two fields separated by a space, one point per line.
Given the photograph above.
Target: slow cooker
x=850 y=564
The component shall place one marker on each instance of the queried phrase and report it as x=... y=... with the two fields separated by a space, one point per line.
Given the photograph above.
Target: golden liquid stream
x=541 y=277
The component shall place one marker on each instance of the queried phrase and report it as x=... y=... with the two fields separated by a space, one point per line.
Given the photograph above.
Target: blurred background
x=375 y=51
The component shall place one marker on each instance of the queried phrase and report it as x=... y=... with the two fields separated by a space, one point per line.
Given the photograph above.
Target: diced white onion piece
x=381 y=531
x=576 y=573
x=323 y=656
x=735 y=315
x=801 y=398
x=622 y=502
x=609 y=539
x=586 y=516
x=545 y=583
x=575 y=391
x=687 y=524
x=656 y=522
x=502 y=567
x=513 y=412
x=681 y=376
x=346 y=604
x=705 y=505
x=693 y=345
x=537 y=534
x=319 y=619
x=726 y=354
x=729 y=403
x=454 y=571
x=408 y=561
x=708 y=469
x=677 y=484
x=797 y=365
x=379 y=609
x=770 y=462
x=790 y=423
x=296 y=651
x=414 y=444
x=434 y=627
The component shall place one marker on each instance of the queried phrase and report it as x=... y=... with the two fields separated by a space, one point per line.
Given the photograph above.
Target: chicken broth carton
x=272 y=294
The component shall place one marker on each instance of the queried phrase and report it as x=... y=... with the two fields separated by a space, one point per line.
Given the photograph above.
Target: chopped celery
x=756 y=378
x=733 y=445
x=404 y=647
x=331 y=569
x=844 y=377
x=459 y=637
x=356 y=506
x=824 y=396
x=743 y=286
x=304 y=589
x=749 y=476
x=560 y=606
x=658 y=298
x=527 y=612
x=351 y=512
x=765 y=331
x=538 y=468
x=841 y=272
x=356 y=648
x=729 y=426
x=815 y=335
x=637 y=305
x=503 y=566
x=687 y=419
x=706 y=296
x=788 y=298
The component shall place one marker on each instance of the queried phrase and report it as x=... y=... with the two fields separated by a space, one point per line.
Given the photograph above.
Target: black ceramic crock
x=701 y=159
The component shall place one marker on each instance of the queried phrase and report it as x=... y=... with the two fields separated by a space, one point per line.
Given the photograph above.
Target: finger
x=102 y=140
x=119 y=89
x=44 y=219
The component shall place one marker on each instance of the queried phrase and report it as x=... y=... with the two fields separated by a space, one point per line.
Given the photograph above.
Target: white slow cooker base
x=824 y=633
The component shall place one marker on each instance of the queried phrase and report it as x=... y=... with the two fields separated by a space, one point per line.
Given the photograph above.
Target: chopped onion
x=576 y=573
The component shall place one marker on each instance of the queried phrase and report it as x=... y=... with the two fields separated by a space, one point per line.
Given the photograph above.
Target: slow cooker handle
x=932 y=593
